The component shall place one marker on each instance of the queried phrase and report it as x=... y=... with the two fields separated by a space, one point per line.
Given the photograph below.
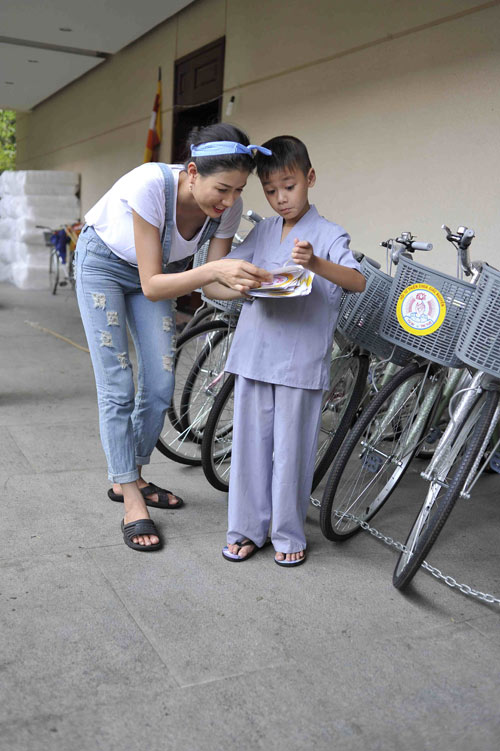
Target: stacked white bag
x=29 y=198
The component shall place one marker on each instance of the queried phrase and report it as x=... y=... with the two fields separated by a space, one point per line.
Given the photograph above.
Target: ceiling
x=46 y=44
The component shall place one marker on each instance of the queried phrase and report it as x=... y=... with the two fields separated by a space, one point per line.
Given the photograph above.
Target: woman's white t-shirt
x=143 y=190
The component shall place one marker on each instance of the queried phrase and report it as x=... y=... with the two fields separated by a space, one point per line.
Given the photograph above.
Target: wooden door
x=197 y=101
x=197 y=93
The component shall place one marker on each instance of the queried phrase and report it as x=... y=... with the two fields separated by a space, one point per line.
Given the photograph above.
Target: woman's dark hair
x=288 y=151
x=207 y=165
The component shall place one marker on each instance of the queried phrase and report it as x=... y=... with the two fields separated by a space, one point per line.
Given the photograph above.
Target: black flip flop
x=149 y=490
x=140 y=527
x=234 y=557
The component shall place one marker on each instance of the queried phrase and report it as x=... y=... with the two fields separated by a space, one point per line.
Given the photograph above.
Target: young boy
x=281 y=359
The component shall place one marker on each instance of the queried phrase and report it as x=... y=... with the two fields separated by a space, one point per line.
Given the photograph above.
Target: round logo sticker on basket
x=421 y=309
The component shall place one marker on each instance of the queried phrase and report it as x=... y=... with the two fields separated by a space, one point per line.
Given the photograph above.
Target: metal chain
x=449 y=580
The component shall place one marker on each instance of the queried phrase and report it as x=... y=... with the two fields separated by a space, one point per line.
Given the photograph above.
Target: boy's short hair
x=288 y=151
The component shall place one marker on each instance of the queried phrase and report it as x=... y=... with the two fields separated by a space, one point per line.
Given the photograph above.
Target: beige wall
x=397 y=100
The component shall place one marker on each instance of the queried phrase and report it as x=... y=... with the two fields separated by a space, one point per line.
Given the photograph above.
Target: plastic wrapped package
x=7 y=251
x=49 y=210
x=29 y=253
x=25 y=276
x=11 y=251
x=21 y=230
x=39 y=182
x=29 y=198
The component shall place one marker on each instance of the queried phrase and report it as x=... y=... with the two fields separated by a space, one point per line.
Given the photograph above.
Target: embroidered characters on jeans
x=99 y=300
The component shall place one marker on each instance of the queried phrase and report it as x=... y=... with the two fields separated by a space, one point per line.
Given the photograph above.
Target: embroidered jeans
x=110 y=299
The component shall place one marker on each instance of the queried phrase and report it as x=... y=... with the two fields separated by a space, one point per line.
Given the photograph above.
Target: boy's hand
x=303 y=253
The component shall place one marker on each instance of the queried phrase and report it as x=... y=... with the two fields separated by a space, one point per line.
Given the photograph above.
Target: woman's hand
x=239 y=275
x=303 y=253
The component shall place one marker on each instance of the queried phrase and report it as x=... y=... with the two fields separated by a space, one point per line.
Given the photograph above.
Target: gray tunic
x=288 y=341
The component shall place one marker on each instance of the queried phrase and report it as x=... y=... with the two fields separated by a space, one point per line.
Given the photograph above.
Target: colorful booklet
x=288 y=281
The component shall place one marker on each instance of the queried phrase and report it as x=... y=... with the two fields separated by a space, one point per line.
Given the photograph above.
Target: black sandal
x=234 y=557
x=163 y=500
x=139 y=528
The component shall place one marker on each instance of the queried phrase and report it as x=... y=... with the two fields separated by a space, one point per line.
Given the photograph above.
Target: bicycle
x=395 y=425
x=199 y=362
x=454 y=468
x=61 y=256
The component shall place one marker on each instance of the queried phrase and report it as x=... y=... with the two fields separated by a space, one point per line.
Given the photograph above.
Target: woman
x=131 y=259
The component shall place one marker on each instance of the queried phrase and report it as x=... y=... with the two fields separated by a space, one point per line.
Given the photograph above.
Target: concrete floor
x=104 y=648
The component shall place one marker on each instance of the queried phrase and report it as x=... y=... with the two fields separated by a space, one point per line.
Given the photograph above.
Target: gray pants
x=279 y=420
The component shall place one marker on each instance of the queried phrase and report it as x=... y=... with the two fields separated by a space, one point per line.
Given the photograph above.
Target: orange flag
x=151 y=154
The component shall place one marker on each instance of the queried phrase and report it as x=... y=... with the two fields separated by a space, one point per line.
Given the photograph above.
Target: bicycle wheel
x=218 y=438
x=53 y=270
x=339 y=408
x=200 y=315
x=442 y=495
x=203 y=383
x=194 y=347
x=376 y=453
x=340 y=404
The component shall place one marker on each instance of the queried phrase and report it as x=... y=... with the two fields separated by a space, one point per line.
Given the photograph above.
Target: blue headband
x=218 y=148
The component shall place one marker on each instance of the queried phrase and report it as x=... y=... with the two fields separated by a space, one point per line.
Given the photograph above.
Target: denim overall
x=110 y=298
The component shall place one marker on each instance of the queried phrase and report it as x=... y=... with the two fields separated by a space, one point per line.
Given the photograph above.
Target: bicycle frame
x=443 y=452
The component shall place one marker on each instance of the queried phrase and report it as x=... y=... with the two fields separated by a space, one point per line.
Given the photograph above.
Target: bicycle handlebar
x=421 y=246
x=359 y=257
x=466 y=240
x=462 y=240
x=403 y=246
x=253 y=217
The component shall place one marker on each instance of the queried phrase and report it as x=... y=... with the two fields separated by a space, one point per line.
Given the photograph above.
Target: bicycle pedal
x=372 y=462
x=495 y=462
x=62 y=284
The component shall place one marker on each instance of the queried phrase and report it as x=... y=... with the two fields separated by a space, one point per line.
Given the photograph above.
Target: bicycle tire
x=216 y=443
x=72 y=270
x=348 y=397
x=423 y=535
x=190 y=345
x=53 y=270
x=199 y=316
x=386 y=422
x=203 y=383
x=217 y=439
x=173 y=440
